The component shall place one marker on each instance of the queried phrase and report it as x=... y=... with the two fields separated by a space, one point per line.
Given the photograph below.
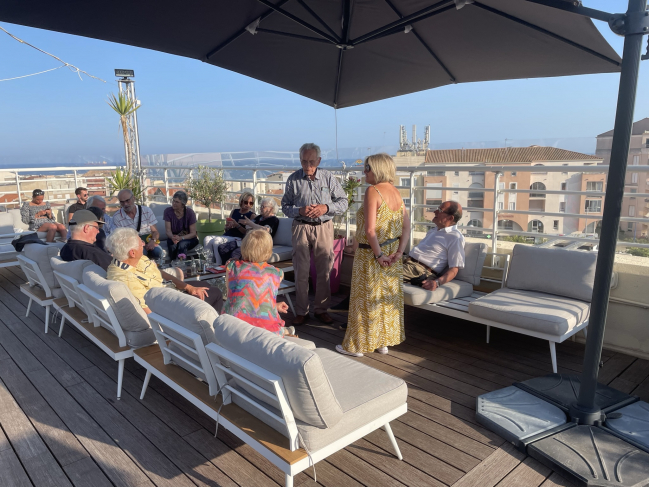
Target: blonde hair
x=246 y=195
x=383 y=167
x=257 y=246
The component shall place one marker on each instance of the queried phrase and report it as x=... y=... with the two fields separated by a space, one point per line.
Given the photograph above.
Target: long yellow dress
x=376 y=304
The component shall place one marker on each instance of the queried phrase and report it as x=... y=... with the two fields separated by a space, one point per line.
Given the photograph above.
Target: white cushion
x=41 y=254
x=308 y=344
x=416 y=296
x=72 y=269
x=309 y=392
x=158 y=210
x=280 y=253
x=530 y=310
x=127 y=309
x=284 y=233
x=474 y=257
x=554 y=271
x=18 y=222
x=6 y=223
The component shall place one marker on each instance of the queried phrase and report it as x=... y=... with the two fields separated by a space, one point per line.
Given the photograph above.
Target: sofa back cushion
x=474 y=257
x=187 y=311
x=128 y=311
x=158 y=210
x=554 y=271
x=41 y=254
x=18 y=222
x=72 y=269
x=284 y=233
x=6 y=223
x=307 y=386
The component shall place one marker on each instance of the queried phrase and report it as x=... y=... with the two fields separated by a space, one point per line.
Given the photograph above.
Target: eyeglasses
x=439 y=209
x=123 y=202
x=249 y=203
x=177 y=201
x=367 y=168
x=39 y=193
x=93 y=226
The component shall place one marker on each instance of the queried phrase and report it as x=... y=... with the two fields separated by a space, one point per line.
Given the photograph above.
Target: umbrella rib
x=408 y=19
x=347 y=18
x=546 y=32
x=423 y=43
x=299 y=21
x=288 y=34
x=317 y=17
x=234 y=37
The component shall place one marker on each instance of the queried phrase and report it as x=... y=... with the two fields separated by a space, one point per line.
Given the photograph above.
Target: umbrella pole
x=585 y=410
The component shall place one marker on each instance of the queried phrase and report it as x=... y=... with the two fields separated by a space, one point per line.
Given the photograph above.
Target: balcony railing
x=169 y=178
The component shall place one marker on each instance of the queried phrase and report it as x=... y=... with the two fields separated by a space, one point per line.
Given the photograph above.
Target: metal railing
x=173 y=177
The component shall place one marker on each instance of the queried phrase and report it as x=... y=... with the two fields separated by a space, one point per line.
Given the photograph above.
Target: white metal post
x=411 y=212
x=254 y=188
x=494 y=225
x=76 y=182
x=167 y=186
x=20 y=199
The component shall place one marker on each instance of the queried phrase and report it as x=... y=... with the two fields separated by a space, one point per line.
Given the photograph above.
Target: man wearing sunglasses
x=441 y=248
x=140 y=218
x=312 y=197
x=82 y=199
x=85 y=226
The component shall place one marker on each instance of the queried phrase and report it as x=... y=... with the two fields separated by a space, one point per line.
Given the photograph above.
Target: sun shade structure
x=341 y=52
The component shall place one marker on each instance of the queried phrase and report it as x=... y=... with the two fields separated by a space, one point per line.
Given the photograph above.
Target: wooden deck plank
x=387 y=463
x=117 y=466
x=614 y=367
x=528 y=473
x=637 y=372
x=556 y=480
x=62 y=443
x=493 y=469
x=187 y=459
x=86 y=473
x=35 y=457
x=642 y=391
x=418 y=458
x=362 y=471
x=444 y=404
x=13 y=473
x=156 y=466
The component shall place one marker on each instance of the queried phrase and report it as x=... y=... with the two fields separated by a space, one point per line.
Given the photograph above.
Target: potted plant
x=124 y=179
x=208 y=188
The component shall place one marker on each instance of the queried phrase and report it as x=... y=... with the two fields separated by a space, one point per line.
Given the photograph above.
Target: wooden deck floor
x=61 y=425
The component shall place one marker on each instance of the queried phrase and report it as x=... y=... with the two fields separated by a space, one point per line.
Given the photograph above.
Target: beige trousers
x=320 y=240
x=413 y=270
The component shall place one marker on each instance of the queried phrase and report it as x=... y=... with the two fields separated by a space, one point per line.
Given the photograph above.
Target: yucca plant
x=124 y=107
x=124 y=179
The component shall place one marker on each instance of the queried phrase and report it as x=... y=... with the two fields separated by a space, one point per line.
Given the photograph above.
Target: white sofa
x=19 y=225
x=282 y=243
x=294 y=405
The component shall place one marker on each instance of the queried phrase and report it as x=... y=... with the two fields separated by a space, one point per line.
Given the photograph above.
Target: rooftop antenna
x=126 y=86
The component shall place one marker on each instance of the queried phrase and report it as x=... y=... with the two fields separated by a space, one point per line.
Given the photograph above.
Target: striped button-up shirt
x=301 y=191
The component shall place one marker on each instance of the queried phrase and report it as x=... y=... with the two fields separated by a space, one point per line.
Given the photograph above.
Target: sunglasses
x=249 y=203
x=39 y=193
x=367 y=168
x=439 y=209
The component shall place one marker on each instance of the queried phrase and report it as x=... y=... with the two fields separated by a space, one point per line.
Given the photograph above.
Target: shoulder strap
x=139 y=218
x=377 y=190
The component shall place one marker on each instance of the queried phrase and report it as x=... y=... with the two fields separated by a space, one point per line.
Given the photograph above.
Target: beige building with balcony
x=635 y=182
x=508 y=203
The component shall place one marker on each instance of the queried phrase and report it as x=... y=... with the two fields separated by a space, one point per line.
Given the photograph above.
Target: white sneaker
x=340 y=349
x=290 y=330
x=383 y=350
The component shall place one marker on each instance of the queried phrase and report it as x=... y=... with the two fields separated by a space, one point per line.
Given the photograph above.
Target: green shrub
x=638 y=251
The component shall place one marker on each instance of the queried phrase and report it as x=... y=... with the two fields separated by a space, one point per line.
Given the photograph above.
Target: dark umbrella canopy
x=343 y=52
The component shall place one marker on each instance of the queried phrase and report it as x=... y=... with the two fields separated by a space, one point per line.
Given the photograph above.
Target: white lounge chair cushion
x=416 y=296
x=284 y=233
x=41 y=254
x=474 y=256
x=158 y=211
x=280 y=253
x=309 y=345
x=128 y=311
x=187 y=311
x=554 y=271
x=364 y=393
x=307 y=387
x=73 y=270
x=530 y=310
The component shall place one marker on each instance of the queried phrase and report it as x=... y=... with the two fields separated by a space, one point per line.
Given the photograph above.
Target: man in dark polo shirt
x=82 y=198
x=84 y=227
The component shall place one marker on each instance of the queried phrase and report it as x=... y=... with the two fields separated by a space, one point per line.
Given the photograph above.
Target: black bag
x=29 y=238
x=227 y=249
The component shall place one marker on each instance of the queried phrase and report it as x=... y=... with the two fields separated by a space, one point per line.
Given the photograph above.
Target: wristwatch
x=436 y=281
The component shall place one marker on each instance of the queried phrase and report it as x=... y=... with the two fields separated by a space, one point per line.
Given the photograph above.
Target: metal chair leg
x=47 y=318
x=29 y=306
x=61 y=327
x=393 y=440
x=120 y=376
x=146 y=384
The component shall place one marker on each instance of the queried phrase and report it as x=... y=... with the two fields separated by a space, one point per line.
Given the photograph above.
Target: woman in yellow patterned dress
x=383 y=228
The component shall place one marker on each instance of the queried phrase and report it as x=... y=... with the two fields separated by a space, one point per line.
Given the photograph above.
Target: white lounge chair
x=293 y=405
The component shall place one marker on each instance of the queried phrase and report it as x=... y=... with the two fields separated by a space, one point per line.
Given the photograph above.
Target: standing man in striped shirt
x=312 y=197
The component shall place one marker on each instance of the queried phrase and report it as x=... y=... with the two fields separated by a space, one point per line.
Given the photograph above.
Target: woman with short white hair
x=266 y=221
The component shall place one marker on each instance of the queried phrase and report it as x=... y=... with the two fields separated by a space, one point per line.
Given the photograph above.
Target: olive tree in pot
x=208 y=188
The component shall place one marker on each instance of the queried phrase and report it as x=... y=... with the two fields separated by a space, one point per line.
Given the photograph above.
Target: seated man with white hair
x=131 y=267
x=84 y=228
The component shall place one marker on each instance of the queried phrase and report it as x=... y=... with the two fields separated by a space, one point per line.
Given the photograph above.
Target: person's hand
x=150 y=245
x=247 y=222
x=199 y=292
x=304 y=210
x=316 y=211
x=282 y=307
x=429 y=284
x=230 y=224
x=175 y=239
x=394 y=258
x=384 y=261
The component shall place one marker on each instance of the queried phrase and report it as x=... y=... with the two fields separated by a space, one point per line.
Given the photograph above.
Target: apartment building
x=478 y=203
x=635 y=182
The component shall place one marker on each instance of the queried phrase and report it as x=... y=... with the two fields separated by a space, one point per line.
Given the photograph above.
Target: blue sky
x=189 y=106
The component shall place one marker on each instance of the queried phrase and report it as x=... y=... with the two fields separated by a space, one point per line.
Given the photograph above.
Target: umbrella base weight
x=590 y=456
x=562 y=390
